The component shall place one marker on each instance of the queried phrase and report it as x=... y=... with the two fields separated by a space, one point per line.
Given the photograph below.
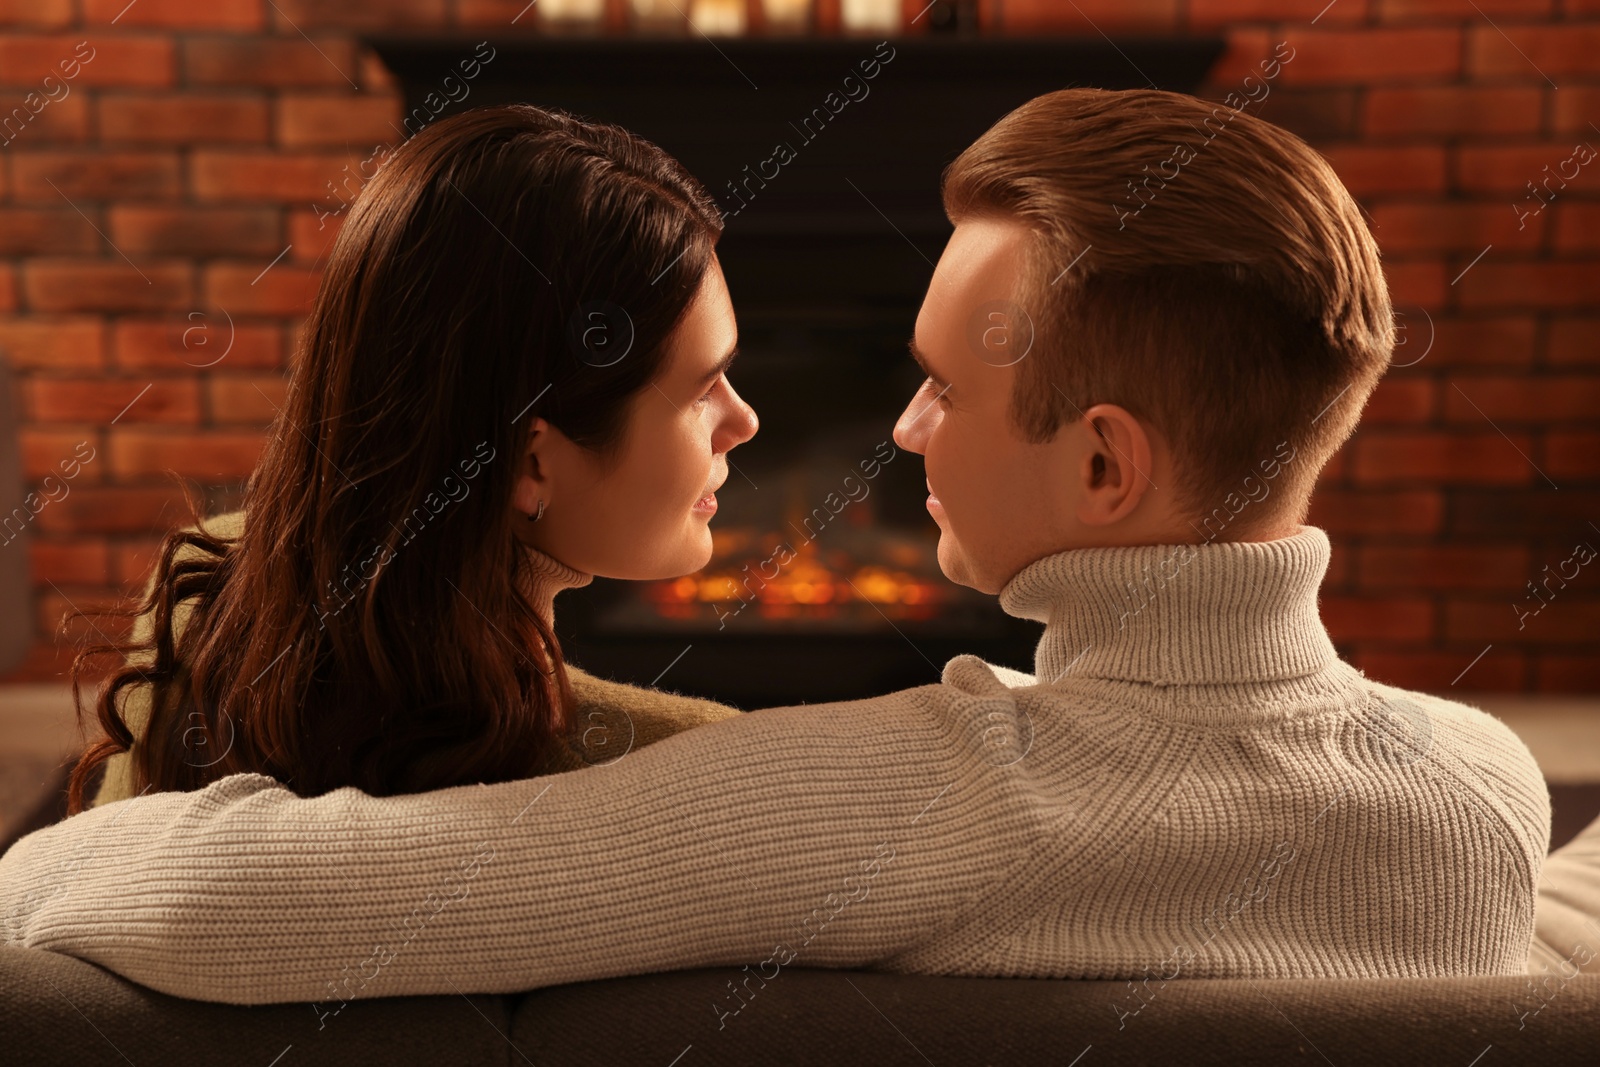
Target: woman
x=512 y=379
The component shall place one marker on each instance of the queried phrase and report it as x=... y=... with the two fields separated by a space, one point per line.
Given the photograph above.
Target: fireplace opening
x=824 y=582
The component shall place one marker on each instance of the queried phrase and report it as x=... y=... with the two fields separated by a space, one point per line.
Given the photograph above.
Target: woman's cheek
x=671 y=485
x=695 y=462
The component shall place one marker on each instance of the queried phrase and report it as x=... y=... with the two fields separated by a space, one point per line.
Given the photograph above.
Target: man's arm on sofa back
x=840 y=835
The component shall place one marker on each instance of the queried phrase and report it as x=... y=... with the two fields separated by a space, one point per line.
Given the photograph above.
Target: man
x=1123 y=421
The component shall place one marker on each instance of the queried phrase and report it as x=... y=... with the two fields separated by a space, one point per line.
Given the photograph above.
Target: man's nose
x=915 y=423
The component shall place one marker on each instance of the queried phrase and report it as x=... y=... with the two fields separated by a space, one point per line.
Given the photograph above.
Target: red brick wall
x=186 y=155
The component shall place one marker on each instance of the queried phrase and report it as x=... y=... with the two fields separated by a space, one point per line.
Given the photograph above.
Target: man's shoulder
x=1463 y=728
x=1482 y=756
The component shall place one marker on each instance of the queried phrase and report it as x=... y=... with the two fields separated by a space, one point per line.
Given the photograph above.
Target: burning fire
x=805 y=583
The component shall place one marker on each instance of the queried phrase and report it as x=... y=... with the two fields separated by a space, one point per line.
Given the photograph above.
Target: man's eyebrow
x=922 y=361
x=721 y=367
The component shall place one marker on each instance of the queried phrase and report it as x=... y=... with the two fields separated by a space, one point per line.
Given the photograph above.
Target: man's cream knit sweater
x=1192 y=784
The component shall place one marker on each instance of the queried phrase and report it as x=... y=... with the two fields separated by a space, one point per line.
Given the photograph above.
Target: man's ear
x=1115 y=468
x=534 y=468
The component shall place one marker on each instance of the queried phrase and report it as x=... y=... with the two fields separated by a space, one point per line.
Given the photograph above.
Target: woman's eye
x=708 y=393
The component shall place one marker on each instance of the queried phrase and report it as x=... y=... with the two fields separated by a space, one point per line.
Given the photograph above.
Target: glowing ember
x=790 y=583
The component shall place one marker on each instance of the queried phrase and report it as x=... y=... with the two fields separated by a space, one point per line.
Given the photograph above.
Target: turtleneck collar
x=544 y=577
x=1231 y=613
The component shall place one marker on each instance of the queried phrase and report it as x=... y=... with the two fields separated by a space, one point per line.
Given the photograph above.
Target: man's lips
x=933 y=498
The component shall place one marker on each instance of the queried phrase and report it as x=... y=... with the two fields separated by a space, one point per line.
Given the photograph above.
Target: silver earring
x=538 y=512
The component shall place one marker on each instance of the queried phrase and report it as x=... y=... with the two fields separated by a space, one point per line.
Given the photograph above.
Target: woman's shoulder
x=229 y=524
x=609 y=719
x=117 y=781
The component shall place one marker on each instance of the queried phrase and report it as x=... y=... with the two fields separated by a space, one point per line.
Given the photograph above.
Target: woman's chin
x=699 y=547
x=693 y=555
x=655 y=562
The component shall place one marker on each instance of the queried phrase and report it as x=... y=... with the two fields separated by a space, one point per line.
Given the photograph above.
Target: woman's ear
x=533 y=475
x=1114 y=469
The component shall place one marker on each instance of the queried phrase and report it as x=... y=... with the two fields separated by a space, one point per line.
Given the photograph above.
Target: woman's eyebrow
x=922 y=361
x=721 y=367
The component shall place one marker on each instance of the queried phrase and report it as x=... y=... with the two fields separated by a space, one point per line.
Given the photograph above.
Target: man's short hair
x=1197 y=266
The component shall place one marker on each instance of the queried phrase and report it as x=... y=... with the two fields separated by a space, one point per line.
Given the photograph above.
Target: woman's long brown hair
x=367 y=627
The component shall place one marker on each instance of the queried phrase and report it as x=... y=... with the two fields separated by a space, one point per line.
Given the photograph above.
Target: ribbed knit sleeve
x=837 y=835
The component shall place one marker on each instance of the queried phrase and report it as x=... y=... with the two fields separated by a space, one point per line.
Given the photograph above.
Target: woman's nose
x=741 y=423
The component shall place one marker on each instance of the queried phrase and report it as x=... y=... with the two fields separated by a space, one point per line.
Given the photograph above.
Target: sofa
x=55 y=1009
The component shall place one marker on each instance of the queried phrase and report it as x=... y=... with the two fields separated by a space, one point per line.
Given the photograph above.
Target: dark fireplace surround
x=826 y=155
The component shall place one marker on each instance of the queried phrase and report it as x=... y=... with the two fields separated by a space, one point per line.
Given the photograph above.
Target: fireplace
x=826 y=153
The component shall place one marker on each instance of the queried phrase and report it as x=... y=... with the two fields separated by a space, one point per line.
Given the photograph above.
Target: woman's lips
x=707 y=504
x=933 y=500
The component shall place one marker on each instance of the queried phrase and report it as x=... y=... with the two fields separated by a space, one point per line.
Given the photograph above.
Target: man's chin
x=954 y=563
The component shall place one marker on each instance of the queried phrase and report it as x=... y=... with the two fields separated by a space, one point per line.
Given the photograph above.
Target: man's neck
x=1123 y=536
x=1241 y=613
